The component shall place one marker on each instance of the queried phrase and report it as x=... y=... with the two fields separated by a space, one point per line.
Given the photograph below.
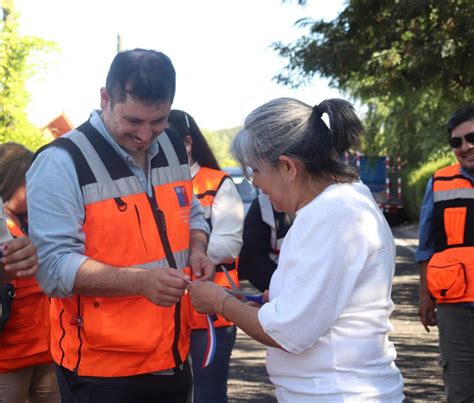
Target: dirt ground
x=417 y=350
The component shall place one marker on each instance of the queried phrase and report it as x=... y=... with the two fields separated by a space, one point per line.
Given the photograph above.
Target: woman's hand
x=20 y=258
x=206 y=296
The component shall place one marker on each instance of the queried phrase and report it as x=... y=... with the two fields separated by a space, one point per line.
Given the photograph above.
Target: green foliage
x=409 y=63
x=20 y=59
x=415 y=180
x=219 y=141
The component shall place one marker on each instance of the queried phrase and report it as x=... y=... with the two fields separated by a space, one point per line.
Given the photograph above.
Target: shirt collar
x=467 y=174
x=195 y=169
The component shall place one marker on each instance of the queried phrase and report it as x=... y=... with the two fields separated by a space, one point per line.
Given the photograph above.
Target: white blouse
x=330 y=303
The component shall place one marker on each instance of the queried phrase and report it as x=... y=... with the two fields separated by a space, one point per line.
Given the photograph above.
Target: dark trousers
x=210 y=383
x=145 y=388
x=456 y=342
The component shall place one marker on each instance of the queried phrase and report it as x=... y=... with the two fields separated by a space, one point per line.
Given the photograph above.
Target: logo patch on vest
x=183 y=198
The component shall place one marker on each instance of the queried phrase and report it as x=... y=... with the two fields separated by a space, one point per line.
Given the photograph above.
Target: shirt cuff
x=423 y=255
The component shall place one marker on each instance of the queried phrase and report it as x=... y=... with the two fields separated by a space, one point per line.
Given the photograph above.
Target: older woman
x=327 y=319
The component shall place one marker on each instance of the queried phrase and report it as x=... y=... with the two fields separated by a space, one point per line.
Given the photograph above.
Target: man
x=112 y=213
x=446 y=257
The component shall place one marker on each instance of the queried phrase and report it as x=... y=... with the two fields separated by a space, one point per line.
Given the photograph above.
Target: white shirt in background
x=227 y=220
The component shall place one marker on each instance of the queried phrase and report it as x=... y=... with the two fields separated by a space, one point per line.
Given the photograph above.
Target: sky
x=219 y=48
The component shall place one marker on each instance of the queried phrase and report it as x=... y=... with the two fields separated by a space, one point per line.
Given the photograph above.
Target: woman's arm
x=209 y=298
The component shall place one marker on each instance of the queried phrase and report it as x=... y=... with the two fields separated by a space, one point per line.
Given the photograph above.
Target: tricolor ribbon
x=211 y=341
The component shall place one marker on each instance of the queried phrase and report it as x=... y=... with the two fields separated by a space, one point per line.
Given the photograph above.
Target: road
x=417 y=351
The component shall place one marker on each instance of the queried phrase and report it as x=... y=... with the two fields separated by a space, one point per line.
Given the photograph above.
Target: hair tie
x=319 y=114
x=317 y=111
x=187 y=120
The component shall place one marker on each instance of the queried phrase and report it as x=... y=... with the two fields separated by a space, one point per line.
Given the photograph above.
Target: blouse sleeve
x=227 y=219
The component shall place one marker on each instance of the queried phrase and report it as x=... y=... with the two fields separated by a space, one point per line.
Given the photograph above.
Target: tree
x=19 y=57
x=409 y=62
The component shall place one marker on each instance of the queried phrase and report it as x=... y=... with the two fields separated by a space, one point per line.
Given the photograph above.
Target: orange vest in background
x=450 y=272
x=25 y=340
x=124 y=227
x=206 y=183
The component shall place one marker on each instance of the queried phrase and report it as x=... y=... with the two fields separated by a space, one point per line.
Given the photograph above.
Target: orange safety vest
x=124 y=227
x=206 y=183
x=450 y=273
x=25 y=340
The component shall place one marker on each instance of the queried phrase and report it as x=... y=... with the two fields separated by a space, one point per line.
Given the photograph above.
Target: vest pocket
x=454 y=224
x=447 y=281
x=125 y=324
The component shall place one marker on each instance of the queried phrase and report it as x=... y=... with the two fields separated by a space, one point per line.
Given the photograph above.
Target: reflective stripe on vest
x=124 y=227
x=206 y=183
x=450 y=271
x=25 y=340
x=268 y=217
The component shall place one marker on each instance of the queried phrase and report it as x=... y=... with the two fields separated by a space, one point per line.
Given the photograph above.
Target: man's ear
x=104 y=99
x=288 y=166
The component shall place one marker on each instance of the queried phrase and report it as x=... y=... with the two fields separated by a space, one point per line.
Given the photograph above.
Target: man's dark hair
x=464 y=114
x=146 y=75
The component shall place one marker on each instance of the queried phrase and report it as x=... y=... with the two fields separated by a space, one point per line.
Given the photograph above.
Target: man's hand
x=20 y=258
x=164 y=286
x=426 y=304
x=201 y=265
x=426 y=309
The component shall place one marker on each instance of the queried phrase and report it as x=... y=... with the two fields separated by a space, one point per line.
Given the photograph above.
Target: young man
x=119 y=235
x=446 y=257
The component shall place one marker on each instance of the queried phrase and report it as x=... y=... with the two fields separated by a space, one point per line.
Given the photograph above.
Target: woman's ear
x=289 y=167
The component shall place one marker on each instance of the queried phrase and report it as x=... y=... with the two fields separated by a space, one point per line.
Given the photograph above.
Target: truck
x=382 y=174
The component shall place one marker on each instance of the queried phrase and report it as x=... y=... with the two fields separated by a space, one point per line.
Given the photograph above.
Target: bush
x=414 y=183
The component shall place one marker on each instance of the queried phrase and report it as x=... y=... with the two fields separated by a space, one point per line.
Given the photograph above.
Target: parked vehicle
x=382 y=174
x=245 y=187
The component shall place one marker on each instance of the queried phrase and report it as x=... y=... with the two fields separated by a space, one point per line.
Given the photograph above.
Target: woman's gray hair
x=286 y=126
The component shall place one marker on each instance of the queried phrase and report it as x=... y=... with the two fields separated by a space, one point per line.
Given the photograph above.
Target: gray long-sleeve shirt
x=56 y=212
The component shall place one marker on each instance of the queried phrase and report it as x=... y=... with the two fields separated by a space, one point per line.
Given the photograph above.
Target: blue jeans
x=210 y=383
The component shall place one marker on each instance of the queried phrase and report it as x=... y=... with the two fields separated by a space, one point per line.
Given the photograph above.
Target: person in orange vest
x=224 y=213
x=119 y=235
x=446 y=257
x=26 y=366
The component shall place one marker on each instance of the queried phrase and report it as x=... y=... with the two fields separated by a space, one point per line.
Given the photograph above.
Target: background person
x=26 y=366
x=117 y=229
x=446 y=257
x=224 y=213
x=327 y=319
x=264 y=231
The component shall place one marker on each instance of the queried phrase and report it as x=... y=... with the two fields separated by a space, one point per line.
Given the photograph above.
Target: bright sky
x=220 y=50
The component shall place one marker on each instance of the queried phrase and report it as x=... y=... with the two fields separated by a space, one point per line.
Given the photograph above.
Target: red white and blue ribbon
x=211 y=342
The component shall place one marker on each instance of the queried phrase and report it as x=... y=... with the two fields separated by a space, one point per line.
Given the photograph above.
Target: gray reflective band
x=107 y=188
x=91 y=156
x=452 y=194
x=181 y=257
x=95 y=192
x=170 y=174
